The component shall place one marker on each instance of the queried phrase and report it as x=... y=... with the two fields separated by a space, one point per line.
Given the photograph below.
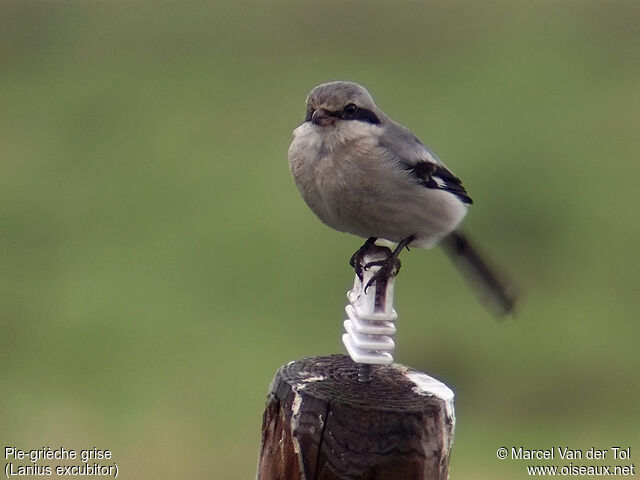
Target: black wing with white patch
x=421 y=162
x=436 y=176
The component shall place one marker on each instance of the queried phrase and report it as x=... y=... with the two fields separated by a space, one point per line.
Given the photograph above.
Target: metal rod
x=364 y=372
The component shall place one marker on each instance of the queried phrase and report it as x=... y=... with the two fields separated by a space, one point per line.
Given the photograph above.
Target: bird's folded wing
x=421 y=162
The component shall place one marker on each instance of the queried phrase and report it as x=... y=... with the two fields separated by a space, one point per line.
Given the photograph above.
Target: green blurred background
x=157 y=264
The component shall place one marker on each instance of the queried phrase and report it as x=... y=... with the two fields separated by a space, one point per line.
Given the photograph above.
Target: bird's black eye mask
x=350 y=112
x=310 y=111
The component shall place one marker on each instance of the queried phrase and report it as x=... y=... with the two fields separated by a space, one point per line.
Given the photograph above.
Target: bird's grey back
x=404 y=145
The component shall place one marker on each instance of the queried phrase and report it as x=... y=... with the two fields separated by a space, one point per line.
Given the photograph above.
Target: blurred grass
x=157 y=264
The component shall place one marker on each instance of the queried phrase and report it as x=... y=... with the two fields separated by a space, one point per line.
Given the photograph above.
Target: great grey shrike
x=364 y=174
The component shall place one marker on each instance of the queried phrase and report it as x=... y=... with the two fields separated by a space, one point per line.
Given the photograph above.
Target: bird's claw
x=356 y=262
x=357 y=258
x=389 y=267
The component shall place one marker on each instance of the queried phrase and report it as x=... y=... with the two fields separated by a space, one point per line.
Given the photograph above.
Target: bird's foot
x=389 y=267
x=357 y=258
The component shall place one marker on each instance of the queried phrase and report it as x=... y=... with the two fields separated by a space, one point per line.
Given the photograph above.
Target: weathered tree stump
x=321 y=423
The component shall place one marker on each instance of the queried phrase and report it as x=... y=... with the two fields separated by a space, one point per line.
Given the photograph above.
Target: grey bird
x=362 y=173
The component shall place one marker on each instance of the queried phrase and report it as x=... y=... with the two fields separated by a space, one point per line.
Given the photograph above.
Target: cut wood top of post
x=322 y=423
x=394 y=387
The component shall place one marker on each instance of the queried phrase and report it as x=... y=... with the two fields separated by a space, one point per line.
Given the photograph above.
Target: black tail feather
x=491 y=289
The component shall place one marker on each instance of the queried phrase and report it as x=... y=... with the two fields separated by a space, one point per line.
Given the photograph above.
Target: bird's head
x=331 y=103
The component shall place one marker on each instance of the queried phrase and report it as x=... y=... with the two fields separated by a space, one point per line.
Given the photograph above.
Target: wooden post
x=321 y=423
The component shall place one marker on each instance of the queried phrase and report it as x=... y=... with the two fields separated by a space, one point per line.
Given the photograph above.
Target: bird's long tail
x=491 y=289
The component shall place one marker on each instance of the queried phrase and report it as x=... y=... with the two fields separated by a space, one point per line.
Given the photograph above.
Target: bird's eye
x=349 y=111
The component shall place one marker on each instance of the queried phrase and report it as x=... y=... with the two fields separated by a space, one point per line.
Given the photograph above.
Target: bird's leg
x=356 y=258
x=390 y=265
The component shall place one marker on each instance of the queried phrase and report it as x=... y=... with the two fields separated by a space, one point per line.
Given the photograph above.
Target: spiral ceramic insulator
x=370 y=324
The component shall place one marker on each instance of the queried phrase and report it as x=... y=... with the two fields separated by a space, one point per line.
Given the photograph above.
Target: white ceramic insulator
x=370 y=329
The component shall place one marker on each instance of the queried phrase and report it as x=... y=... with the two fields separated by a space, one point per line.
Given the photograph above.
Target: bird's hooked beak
x=322 y=118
